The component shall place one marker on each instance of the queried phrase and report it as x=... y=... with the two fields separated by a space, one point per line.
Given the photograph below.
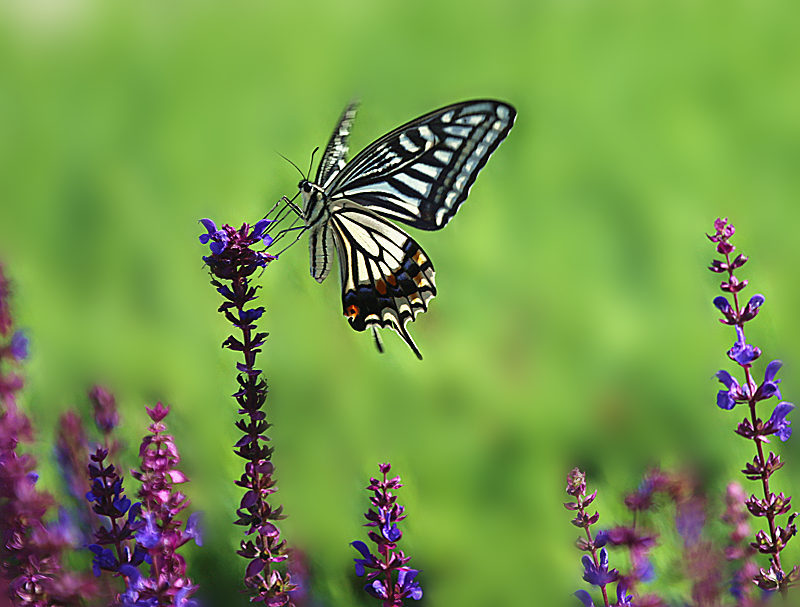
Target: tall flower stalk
x=770 y=506
x=232 y=264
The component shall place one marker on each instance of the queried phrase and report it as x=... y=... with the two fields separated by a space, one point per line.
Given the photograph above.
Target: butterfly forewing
x=386 y=277
x=333 y=158
x=421 y=172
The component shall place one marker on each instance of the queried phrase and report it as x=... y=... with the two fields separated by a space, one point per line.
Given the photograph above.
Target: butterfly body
x=418 y=174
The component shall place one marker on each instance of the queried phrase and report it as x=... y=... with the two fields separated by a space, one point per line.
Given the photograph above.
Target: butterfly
x=418 y=174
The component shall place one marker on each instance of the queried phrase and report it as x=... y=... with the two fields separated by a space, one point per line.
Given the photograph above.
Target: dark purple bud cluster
x=115 y=544
x=106 y=415
x=595 y=567
x=72 y=452
x=31 y=549
x=232 y=262
x=390 y=579
x=772 y=540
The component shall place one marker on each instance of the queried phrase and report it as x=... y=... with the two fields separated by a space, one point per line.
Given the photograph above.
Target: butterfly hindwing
x=387 y=279
x=421 y=172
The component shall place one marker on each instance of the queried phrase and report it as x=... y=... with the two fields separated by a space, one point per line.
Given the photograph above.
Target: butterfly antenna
x=311 y=162
x=292 y=163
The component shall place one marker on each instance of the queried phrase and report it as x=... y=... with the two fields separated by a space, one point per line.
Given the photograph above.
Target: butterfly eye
x=305 y=186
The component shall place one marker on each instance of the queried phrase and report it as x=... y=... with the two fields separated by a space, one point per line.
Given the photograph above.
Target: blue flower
x=585 y=598
x=181 y=600
x=193 y=528
x=623 y=598
x=253 y=314
x=598 y=575
x=769 y=387
x=742 y=352
x=135 y=584
x=406 y=584
x=369 y=559
x=778 y=424
x=103 y=559
x=756 y=301
x=723 y=305
x=258 y=231
x=217 y=238
x=19 y=345
x=727 y=399
x=377 y=589
x=149 y=535
x=390 y=531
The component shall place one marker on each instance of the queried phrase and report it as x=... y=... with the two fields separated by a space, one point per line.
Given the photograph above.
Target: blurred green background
x=574 y=323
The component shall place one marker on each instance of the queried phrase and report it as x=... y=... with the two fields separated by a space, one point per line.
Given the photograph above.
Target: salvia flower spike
x=232 y=263
x=388 y=576
x=748 y=391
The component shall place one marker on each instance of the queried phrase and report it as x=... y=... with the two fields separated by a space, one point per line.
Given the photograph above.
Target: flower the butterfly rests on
x=418 y=174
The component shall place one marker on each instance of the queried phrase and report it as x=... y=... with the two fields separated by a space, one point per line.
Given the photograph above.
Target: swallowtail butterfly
x=418 y=174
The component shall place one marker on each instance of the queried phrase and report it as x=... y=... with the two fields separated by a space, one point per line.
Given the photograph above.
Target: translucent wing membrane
x=421 y=172
x=386 y=277
x=333 y=159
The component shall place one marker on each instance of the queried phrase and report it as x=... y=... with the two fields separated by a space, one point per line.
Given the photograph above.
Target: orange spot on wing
x=351 y=311
x=391 y=280
x=380 y=286
x=419 y=258
x=419 y=280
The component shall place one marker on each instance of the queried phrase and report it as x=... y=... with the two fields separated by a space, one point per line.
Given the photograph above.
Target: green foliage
x=574 y=323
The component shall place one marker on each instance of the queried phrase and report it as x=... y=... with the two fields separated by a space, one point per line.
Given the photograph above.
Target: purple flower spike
x=159 y=531
x=773 y=538
x=233 y=262
x=388 y=577
x=595 y=563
